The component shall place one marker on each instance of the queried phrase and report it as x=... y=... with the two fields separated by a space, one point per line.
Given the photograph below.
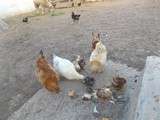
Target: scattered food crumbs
x=72 y=93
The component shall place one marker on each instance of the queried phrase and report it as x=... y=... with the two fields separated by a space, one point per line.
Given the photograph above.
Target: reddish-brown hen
x=46 y=74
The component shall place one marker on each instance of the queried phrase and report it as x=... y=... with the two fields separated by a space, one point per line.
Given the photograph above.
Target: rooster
x=98 y=58
x=46 y=74
x=75 y=17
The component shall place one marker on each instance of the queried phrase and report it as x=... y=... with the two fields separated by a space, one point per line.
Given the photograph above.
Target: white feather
x=66 y=68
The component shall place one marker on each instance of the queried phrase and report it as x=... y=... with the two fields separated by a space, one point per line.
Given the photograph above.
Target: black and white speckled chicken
x=75 y=17
x=89 y=81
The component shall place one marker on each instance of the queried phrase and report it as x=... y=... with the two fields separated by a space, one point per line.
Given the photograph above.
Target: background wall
x=13 y=7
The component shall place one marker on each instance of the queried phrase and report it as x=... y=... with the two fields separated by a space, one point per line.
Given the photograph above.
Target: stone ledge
x=148 y=107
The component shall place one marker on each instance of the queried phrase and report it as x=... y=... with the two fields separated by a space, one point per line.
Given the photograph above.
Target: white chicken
x=66 y=68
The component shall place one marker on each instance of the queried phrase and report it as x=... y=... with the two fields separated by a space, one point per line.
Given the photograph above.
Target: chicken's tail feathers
x=52 y=87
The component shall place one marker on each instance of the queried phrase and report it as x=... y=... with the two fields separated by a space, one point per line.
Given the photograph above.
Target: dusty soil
x=132 y=26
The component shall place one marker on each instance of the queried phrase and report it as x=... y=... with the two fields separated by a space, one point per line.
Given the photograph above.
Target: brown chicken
x=118 y=82
x=46 y=74
x=104 y=93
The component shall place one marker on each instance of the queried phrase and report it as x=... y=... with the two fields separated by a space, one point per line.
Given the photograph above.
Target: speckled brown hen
x=118 y=82
x=104 y=94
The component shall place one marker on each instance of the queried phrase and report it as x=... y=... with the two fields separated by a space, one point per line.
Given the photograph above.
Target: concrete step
x=148 y=107
x=49 y=106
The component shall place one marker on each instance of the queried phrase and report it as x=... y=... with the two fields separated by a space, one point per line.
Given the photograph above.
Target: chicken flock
x=49 y=74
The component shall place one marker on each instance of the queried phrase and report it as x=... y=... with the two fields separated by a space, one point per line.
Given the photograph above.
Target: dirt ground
x=133 y=28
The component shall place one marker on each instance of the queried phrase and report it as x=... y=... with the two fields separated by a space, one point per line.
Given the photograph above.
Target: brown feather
x=95 y=39
x=47 y=75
